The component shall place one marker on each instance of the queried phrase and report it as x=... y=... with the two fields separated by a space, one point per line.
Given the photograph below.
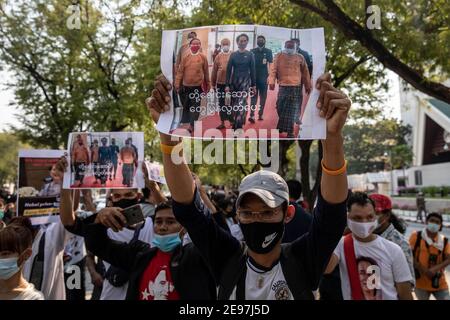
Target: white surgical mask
x=433 y=227
x=362 y=229
x=226 y=48
x=289 y=51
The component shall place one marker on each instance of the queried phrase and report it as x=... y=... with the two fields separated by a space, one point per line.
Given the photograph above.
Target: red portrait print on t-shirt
x=156 y=282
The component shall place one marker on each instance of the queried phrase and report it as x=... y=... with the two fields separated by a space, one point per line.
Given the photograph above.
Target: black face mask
x=262 y=237
x=125 y=203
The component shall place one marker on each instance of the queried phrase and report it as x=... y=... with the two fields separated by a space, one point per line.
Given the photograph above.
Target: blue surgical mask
x=167 y=242
x=8 y=267
x=2 y=214
x=433 y=227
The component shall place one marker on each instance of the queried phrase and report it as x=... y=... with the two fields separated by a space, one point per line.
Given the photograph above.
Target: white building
x=430 y=122
x=430 y=141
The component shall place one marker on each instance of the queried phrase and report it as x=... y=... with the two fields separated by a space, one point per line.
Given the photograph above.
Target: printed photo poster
x=155 y=172
x=39 y=185
x=99 y=160
x=243 y=82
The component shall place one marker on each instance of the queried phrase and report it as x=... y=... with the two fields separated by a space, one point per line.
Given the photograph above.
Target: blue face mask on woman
x=8 y=267
x=167 y=242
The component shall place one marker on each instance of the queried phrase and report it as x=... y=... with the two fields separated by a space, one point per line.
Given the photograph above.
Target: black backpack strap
x=137 y=232
x=295 y=274
x=37 y=268
x=443 y=249
x=417 y=244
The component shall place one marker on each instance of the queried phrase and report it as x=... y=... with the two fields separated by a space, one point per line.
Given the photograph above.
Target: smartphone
x=133 y=215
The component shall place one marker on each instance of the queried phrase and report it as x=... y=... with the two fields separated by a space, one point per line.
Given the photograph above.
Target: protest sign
x=105 y=160
x=243 y=82
x=39 y=185
x=155 y=172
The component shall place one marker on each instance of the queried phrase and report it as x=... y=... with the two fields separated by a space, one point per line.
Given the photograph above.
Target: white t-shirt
x=30 y=293
x=109 y=292
x=53 y=278
x=269 y=285
x=387 y=256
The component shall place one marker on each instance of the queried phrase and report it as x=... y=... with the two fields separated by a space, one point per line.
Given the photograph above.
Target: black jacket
x=303 y=261
x=191 y=276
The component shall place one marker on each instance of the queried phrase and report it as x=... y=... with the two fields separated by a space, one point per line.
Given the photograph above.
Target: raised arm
x=334 y=107
x=329 y=217
x=214 y=243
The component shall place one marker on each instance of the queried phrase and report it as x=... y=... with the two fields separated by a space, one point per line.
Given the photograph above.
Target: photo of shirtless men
x=104 y=160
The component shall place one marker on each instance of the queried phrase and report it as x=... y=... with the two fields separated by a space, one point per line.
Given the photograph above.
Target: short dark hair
x=261 y=36
x=295 y=189
x=164 y=205
x=192 y=33
x=241 y=35
x=359 y=198
x=17 y=235
x=435 y=215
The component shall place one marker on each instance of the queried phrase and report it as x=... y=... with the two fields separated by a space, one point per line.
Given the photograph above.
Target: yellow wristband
x=167 y=149
x=337 y=172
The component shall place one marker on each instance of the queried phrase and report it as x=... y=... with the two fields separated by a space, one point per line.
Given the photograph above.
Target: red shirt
x=156 y=281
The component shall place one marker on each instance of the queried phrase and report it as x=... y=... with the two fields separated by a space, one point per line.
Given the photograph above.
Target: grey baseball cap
x=267 y=185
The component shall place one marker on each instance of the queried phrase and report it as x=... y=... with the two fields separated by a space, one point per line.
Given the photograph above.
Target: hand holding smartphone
x=133 y=215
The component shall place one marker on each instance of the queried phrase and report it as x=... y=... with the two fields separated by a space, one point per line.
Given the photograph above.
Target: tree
x=413 y=41
x=367 y=142
x=95 y=78
x=9 y=148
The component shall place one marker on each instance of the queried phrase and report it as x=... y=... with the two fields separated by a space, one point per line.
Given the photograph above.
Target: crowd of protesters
x=257 y=242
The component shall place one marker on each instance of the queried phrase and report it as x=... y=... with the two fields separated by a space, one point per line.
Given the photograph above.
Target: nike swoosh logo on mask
x=269 y=239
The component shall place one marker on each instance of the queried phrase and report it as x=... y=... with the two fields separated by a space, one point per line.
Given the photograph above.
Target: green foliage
x=376 y=145
x=92 y=79
x=9 y=148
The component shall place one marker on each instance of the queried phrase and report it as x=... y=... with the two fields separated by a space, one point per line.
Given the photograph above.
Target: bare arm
x=206 y=71
x=214 y=73
x=306 y=79
x=206 y=200
x=334 y=106
x=404 y=290
x=66 y=212
x=177 y=174
x=156 y=194
x=66 y=204
x=334 y=261
x=441 y=265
